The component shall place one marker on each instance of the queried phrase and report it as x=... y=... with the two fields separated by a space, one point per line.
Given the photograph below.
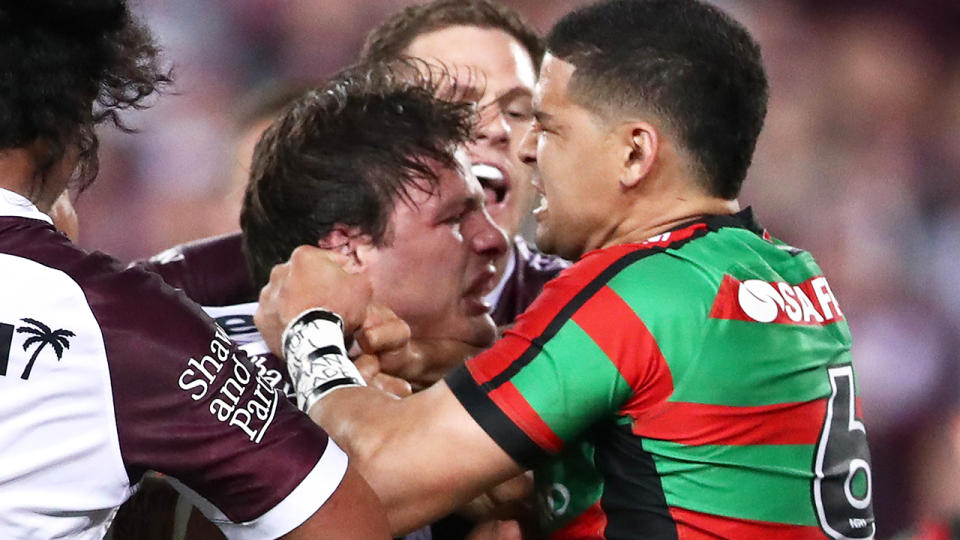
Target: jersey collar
x=16 y=205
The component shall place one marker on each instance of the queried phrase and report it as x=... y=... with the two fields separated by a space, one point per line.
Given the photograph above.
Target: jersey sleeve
x=190 y=405
x=211 y=271
x=579 y=354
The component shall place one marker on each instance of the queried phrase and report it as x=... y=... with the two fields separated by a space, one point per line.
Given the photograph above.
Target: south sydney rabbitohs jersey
x=696 y=385
x=106 y=373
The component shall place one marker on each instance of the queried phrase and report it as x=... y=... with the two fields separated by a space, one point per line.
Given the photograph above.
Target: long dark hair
x=66 y=66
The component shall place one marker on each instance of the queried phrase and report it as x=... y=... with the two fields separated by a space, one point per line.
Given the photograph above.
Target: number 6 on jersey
x=843 y=482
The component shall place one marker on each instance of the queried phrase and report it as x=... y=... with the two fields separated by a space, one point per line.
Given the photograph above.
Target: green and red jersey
x=696 y=385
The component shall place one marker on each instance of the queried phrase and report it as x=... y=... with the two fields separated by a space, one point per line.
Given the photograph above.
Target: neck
x=649 y=219
x=18 y=168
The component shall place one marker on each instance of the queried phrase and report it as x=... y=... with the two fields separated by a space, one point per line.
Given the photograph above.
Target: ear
x=640 y=142
x=351 y=242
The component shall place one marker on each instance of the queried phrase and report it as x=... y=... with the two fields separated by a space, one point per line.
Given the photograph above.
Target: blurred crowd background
x=859 y=163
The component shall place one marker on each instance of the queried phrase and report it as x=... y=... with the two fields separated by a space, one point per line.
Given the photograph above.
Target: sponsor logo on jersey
x=41 y=337
x=240 y=397
x=778 y=302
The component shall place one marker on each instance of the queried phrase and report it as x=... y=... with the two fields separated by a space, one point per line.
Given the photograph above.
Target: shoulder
x=210 y=271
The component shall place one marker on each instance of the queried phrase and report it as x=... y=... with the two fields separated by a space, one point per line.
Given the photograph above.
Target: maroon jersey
x=211 y=271
x=523 y=280
x=107 y=372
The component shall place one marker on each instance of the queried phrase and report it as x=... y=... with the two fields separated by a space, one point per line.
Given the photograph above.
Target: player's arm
x=425 y=455
x=353 y=511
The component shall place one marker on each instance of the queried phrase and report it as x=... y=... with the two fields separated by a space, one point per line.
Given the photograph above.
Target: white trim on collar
x=14 y=204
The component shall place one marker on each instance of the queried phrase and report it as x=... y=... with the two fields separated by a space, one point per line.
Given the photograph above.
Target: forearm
x=403 y=448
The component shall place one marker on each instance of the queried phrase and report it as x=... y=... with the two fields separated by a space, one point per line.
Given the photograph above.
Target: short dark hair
x=345 y=153
x=66 y=66
x=685 y=61
x=389 y=40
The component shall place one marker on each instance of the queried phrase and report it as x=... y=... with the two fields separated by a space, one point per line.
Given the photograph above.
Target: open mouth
x=493 y=181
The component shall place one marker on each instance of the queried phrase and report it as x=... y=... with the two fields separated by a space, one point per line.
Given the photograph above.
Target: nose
x=487 y=238
x=528 y=148
x=493 y=128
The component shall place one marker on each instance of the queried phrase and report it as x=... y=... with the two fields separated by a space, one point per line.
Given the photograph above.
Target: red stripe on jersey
x=556 y=294
x=630 y=346
x=698 y=424
x=698 y=526
x=513 y=404
x=589 y=525
x=492 y=362
x=807 y=303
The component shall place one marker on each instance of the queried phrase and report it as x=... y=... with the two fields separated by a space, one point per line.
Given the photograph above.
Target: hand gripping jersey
x=106 y=373
x=696 y=385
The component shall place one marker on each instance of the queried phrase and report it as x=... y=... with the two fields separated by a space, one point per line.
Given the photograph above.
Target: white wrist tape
x=316 y=357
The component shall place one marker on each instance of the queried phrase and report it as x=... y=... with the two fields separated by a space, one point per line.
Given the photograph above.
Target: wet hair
x=389 y=40
x=66 y=66
x=684 y=61
x=345 y=153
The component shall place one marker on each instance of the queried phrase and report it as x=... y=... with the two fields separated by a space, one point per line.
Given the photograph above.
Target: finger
x=368 y=366
x=378 y=314
x=509 y=530
x=387 y=336
x=392 y=385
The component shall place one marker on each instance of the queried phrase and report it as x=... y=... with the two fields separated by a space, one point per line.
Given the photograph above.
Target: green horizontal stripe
x=572 y=383
x=759 y=364
x=763 y=482
x=725 y=362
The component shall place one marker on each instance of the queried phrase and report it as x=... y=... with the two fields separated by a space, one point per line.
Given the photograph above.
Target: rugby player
x=486 y=39
x=473 y=36
x=688 y=376
x=107 y=373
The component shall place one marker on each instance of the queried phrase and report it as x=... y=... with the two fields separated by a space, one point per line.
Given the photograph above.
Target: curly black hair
x=67 y=66
x=345 y=153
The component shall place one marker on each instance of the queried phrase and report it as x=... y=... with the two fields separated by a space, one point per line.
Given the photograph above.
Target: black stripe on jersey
x=575 y=304
x=632 y=498
x=517 y=444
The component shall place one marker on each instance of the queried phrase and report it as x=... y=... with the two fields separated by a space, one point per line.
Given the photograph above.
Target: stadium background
x=859 y=163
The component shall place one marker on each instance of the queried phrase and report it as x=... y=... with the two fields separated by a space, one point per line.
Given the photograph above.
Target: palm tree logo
x=43 y=336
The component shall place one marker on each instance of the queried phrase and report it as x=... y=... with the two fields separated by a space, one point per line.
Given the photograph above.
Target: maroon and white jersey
x=526 y=273
x=107 y=372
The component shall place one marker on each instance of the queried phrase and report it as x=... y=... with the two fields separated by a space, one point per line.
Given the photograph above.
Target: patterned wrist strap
x=316 y=356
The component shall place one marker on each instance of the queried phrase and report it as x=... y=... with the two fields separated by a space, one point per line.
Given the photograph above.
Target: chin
x=482 y=332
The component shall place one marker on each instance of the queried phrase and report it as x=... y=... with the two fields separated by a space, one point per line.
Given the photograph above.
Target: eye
x=519 y=115
x=455 y=219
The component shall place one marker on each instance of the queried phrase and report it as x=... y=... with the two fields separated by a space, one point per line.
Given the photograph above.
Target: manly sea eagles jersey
x=107 y=372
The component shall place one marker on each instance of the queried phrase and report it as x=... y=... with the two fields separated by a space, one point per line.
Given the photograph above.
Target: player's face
x=574 y=159
x=507 y=82
x=437 y=263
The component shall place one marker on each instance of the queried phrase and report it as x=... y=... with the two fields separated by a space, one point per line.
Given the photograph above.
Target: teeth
x=487 y=172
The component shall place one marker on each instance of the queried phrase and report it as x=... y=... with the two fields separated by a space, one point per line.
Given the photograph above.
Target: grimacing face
x=437 y=262
x=574 y=155
x=507 y=80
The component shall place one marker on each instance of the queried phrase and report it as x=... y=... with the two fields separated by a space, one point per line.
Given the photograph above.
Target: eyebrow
x=543 y=117
x=513 y=93
x=469 y=202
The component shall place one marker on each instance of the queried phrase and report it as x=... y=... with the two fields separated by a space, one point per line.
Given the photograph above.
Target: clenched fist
x=313 y=277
